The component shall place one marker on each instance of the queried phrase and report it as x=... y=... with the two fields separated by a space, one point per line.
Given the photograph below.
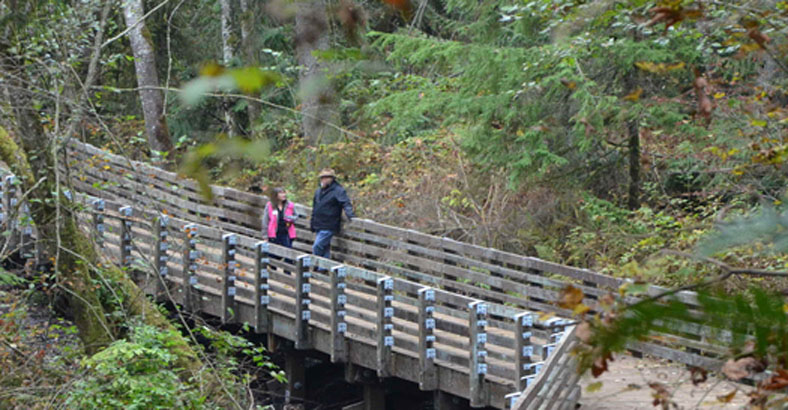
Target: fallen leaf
x=634 y=96
x=741 y=368
x=726 y=398
x=778 y=381
x=593 y=387
x=698 y=375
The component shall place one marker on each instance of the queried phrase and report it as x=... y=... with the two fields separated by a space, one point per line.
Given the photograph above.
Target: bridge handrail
x=454 y=338
x=556 y=383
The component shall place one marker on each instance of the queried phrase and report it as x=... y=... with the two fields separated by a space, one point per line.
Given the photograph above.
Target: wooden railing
x=508 y=281
x=441 y=340
x=558 y=387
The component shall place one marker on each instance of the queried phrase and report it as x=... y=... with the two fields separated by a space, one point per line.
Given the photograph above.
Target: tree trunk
x=151 y=96
x=34 y=164
x=228 y=51
x=318 y=106
x=254 y=109
x=228 y=54
x=55 y=218
x=634 y=164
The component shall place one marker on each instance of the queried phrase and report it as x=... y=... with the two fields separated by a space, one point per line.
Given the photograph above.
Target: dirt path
x=625 y=386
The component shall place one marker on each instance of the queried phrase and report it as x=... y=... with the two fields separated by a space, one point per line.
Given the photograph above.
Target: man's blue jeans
x=322 y=245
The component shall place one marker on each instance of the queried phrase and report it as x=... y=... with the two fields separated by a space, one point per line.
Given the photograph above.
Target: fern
x=9 y=279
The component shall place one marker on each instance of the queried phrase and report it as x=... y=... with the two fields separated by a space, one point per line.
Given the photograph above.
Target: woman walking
x=279 y=219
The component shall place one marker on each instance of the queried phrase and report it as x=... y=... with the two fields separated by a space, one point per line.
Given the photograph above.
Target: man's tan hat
x=327 y=172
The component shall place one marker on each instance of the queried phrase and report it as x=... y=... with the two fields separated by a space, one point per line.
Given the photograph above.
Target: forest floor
x=626 y=386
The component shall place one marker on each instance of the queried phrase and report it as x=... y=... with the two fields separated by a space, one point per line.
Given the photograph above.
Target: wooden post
x=98 y=222
x=125 y=236
x=478 y=355
x=303 y=314
x=261 y=297
x=296 y=377
x=523 y=330
x=446 y=401
x=189 y=264
x=10 y=204
x=10 y=193
x=3 y=212
x=161 y=252
x=511 y=399
x=374 y=397
x=556 y=326
x=229 y=242
x=385 y=326
x=339 y=349
x=2 y=202
x=428 y=376
x=26 y=232
x=162 y=245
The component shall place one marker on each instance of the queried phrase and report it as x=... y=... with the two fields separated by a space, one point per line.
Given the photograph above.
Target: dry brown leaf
x=778 y=381
x=600 y=365
x=698 y=375
x=726 y=398
x=741 y=368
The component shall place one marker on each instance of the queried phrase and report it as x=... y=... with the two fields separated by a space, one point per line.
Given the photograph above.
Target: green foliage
x=533 y=108
x=752 y=323
x=248 y=80
x=137 y=373
x=9 y=279
x=768 y=227
x=226 y=148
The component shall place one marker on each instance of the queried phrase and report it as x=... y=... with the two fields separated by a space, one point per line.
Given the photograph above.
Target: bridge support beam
x=374 y=397
x=445 y=401
x=296 y=377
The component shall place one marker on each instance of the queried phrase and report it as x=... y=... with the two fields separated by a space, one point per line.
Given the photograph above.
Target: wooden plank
x=459 y=260
x=529 y=395
x=554 y=379
x=564 y=392
x=677 y=355
x=151 y=190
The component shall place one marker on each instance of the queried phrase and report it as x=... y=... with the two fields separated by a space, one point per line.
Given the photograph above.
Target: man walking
x=327 y=205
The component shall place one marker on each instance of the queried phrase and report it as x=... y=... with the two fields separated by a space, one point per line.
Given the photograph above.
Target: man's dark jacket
x=327 y=208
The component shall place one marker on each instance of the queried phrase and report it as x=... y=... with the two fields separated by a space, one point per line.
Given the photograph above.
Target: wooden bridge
x=458 y=319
